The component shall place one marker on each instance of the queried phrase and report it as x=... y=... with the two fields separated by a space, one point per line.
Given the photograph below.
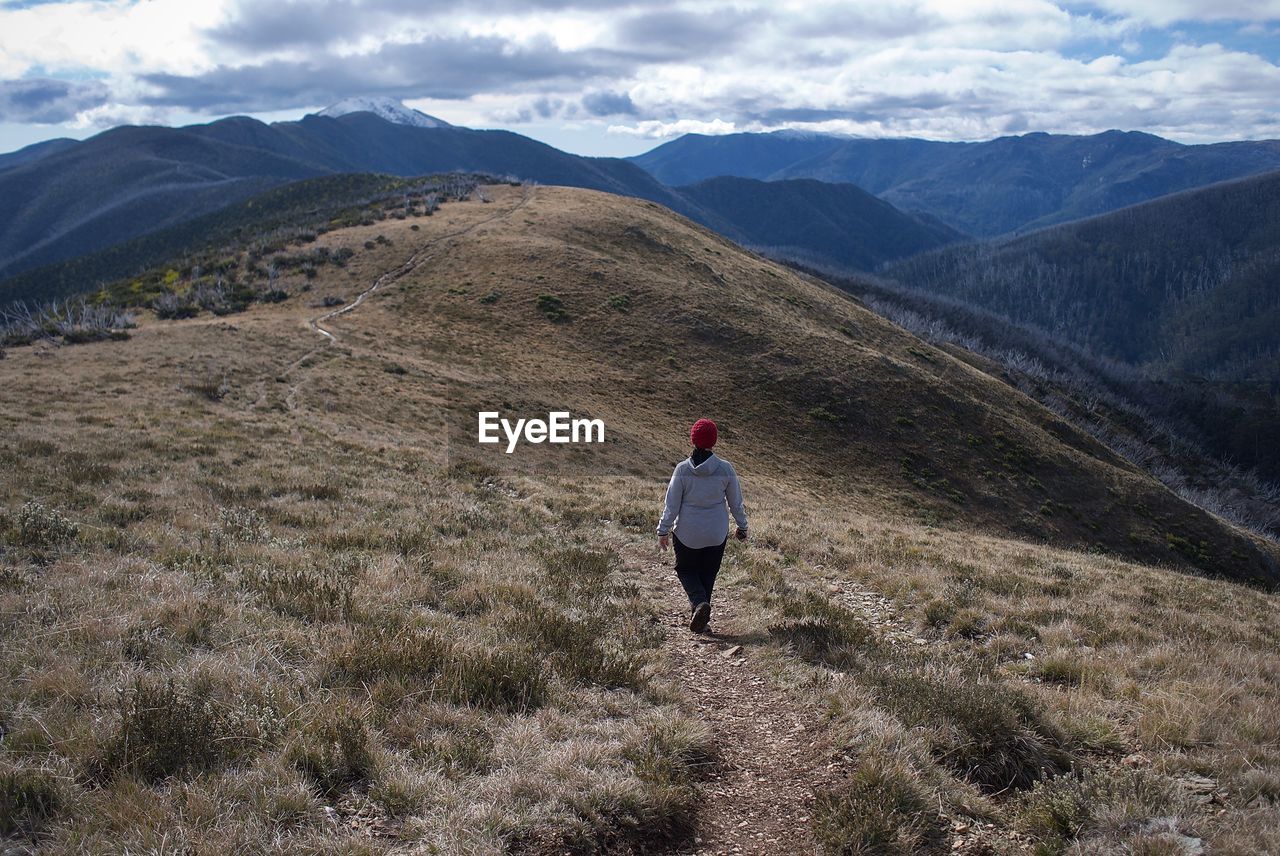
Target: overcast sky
x=604 y=77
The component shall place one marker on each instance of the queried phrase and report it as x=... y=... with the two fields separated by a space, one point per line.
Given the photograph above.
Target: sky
x=600 y=77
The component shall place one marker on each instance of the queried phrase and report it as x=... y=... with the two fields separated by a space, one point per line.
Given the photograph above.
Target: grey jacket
x=696 y=503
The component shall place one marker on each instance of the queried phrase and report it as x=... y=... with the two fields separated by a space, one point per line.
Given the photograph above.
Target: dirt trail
x=758 y=798
x=415 y=261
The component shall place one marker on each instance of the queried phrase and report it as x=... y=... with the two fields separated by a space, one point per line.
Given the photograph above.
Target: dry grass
x=298 y=615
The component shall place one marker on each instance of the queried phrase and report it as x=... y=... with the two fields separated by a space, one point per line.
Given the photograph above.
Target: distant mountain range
x=130 y=181
x=834 y=202
x=1011 y=184
x=69 y=199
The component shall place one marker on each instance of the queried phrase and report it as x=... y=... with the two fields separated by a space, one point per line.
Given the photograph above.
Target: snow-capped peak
x=384 y=108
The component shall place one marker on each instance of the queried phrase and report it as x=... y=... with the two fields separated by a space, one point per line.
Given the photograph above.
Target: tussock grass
x=30 y=797
x=879 y=808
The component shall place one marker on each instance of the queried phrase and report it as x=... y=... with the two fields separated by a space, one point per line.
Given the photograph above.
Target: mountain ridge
x=132 y=181
x=1009 y=184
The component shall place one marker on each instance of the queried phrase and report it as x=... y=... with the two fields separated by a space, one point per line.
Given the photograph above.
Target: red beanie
x=703 y=434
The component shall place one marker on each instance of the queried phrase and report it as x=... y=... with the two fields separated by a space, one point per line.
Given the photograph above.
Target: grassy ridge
x=281 y=601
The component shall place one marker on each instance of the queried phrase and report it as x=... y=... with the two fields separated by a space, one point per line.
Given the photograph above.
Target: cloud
x=651 y=68
x=269 y=26
x=436 y=67
x=652 y=129
x=48 y=102
x=675 y=34
x=1165 y=12
x=608 y=104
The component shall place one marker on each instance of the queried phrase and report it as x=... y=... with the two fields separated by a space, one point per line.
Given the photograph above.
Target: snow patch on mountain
x=384 y=108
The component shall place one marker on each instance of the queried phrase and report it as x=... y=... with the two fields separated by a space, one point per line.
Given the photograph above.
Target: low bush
x=552 y=306
x=42 y=528
x=1064 y=809
x=576 y=647
x=166 y=729
x=301 y=593
x=498 y=679
x=879 y=809
x=209 y=384
x=979 y=727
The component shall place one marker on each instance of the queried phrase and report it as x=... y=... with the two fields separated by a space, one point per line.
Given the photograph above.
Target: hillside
x=1182 y=285
x=308 y=207
x=263 y=589
x=806 y=220
x=1010 y=184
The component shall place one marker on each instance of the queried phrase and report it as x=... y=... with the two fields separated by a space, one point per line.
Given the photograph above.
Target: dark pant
x=697 y=569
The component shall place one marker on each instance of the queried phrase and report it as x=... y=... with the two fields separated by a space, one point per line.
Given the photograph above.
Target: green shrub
x=1063 y=809
x=300 y=593
x=509 y=680
x=242 y=524
x=938 y=613
x=382 y=652
x=822 y=632
x=577 y=569
x=576 y=648
x=1060 y=668
x=980 y=728
x=209 y=384
x=552 y=306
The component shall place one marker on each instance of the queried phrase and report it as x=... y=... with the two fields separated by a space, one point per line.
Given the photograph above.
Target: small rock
x=1028 y=656
x=1136 y=759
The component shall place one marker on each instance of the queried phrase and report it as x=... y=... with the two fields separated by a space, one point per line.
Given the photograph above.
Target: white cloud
x=112 y=115
x=654 y=129
x=1162 y=13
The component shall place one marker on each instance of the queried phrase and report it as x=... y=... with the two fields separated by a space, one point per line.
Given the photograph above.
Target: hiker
x=695 y=516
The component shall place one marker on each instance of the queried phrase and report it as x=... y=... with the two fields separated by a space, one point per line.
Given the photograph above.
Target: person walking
x=704 y=488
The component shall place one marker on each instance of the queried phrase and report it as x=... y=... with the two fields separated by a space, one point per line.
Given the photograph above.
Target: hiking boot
x=701 y=617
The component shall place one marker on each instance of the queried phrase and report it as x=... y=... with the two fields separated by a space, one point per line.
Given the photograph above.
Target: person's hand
x=741 y=534
x=664 y=541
